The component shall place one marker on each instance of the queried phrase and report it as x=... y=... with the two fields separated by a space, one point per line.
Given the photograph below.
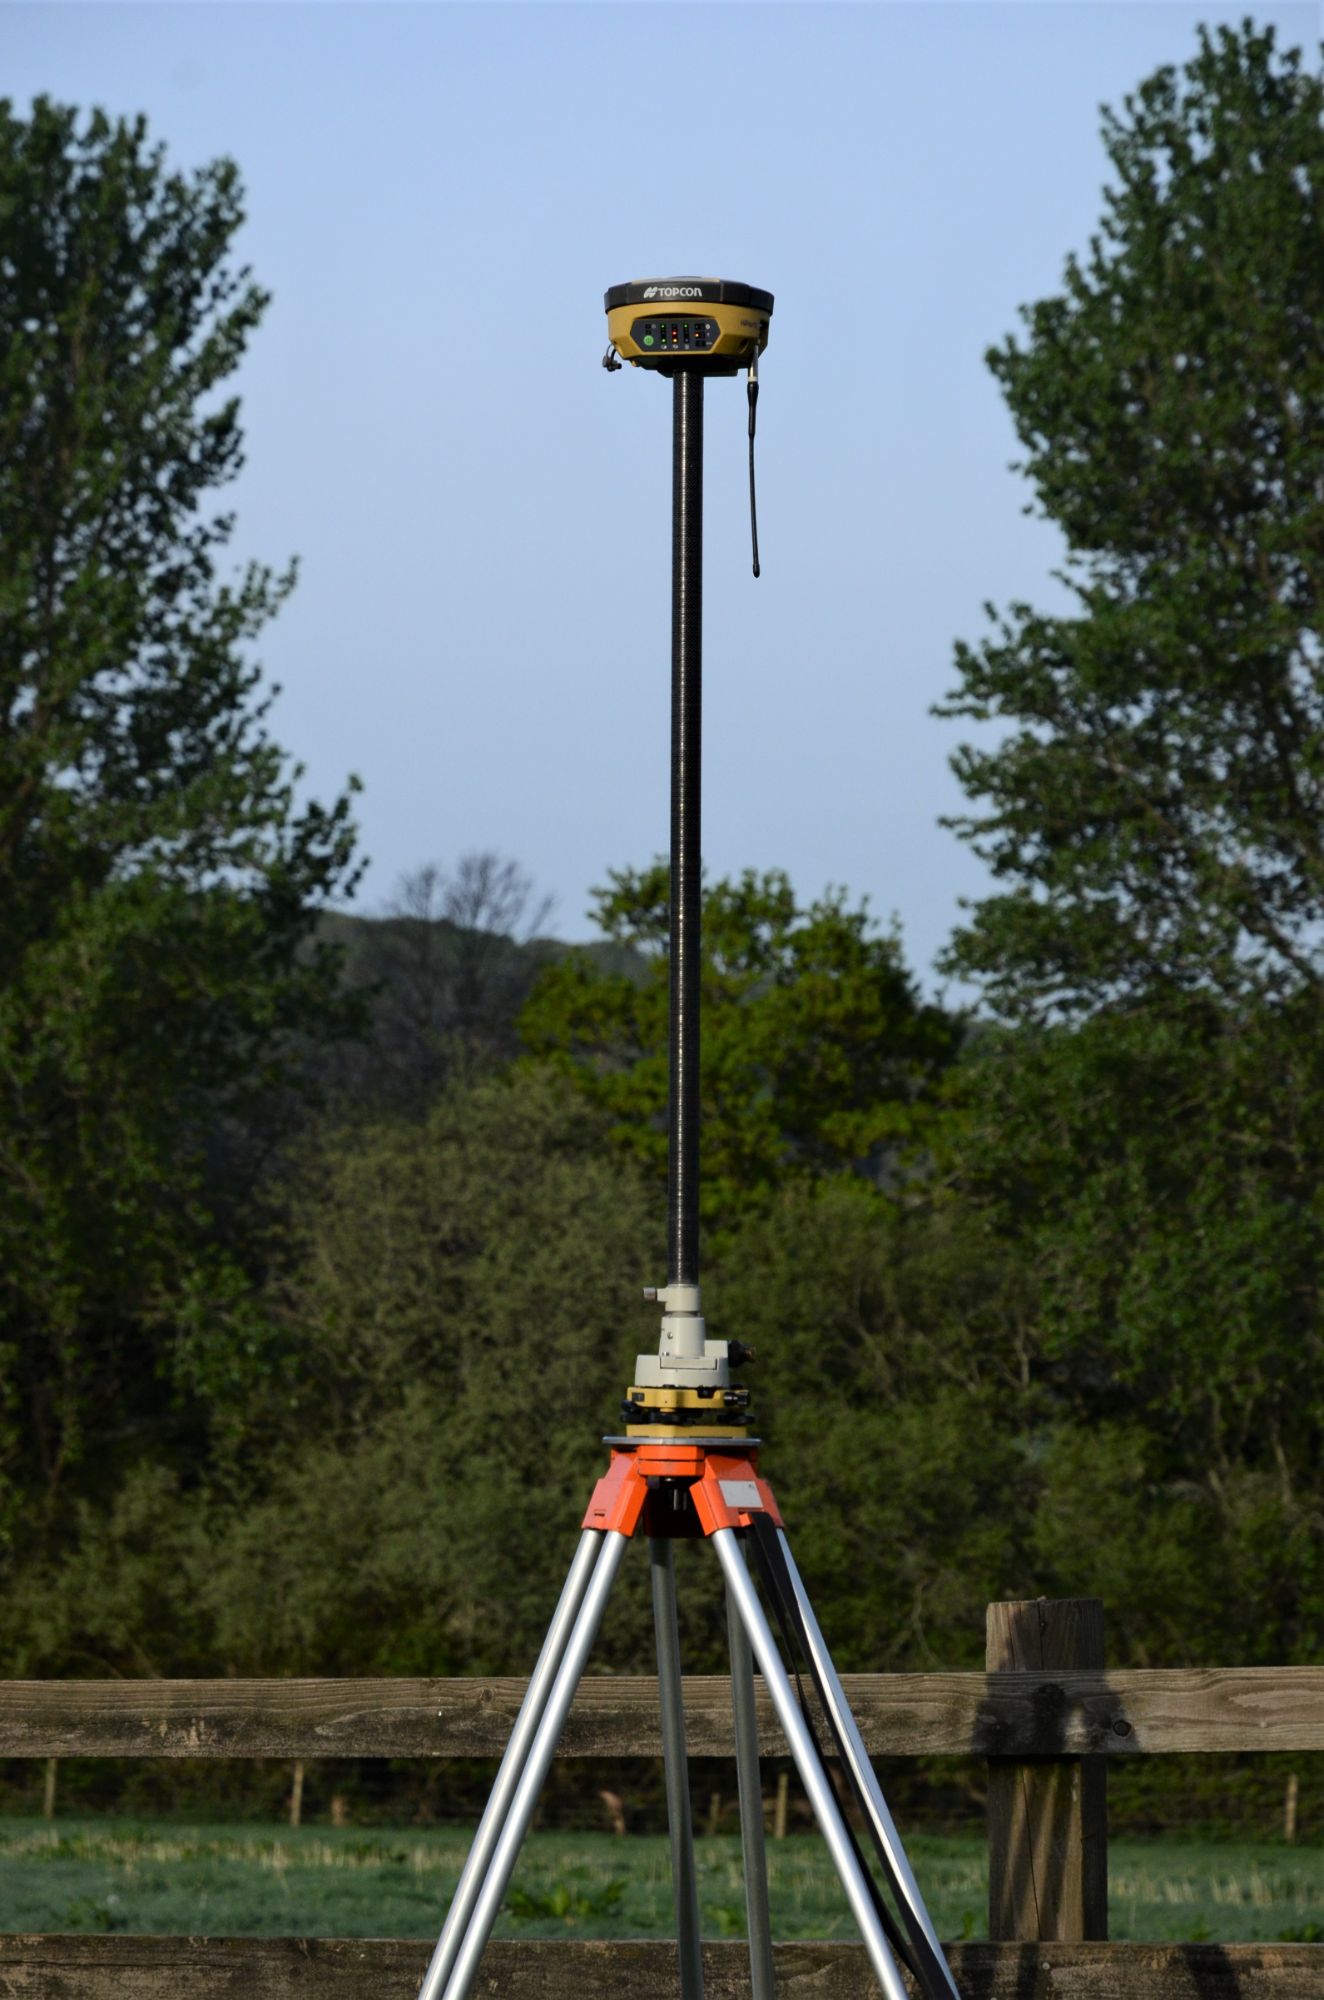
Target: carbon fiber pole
x=686 y=749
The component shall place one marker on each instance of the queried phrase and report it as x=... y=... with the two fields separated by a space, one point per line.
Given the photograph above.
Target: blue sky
x=438 y=196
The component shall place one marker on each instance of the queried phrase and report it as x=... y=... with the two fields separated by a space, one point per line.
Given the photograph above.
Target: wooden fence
x=1047 y=1715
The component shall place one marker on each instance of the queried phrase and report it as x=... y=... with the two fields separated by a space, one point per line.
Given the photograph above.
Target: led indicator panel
x=675 y=336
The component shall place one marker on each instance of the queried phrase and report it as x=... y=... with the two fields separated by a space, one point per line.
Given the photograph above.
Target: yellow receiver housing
x=712 y=326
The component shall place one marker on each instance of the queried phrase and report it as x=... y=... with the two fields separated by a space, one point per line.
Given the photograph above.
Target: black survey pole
x=686 y=760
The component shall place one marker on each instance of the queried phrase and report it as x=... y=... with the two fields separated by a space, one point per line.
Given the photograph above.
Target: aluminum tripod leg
x=857 y=1757
x=749 y=1785
x=812 y=1775
x=524 y=1794
x=676 y=1767
x=512 y=1763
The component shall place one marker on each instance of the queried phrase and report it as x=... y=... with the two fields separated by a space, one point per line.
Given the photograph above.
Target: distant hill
x=441 y=995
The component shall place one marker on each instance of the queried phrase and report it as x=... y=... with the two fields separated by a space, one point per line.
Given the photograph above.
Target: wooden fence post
x=1047 y=1817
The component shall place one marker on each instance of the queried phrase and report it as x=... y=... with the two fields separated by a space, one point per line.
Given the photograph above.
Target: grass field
x=341 y=1882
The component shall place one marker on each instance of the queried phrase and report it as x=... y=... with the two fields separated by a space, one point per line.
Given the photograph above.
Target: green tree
x=462 y=1295
x=817 y=1054
x=458 y=1305
x=158 y=884
x=892 y=1387
x=1156 y=798
x=1157 y=1175
x=1148 y=1125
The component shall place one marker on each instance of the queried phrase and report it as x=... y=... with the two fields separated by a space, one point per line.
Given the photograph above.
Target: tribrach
x=684 y=1462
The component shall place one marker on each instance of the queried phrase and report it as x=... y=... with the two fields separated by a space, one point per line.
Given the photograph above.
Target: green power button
x=648 y=340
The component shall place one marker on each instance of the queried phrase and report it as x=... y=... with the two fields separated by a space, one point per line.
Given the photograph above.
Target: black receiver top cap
x=686 y=291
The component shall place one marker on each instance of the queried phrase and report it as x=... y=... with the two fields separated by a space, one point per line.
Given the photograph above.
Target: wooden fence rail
x=1053 y=1714
x=1047 y=1715
x=176 y=1968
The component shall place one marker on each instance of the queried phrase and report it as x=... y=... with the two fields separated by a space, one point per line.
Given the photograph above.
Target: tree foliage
x=1147 y=1127
x=891 y=1385
x=158 y=884
x=1157 y=1177
x=1156 y=805
x=457 y=1310
x=817 y=1053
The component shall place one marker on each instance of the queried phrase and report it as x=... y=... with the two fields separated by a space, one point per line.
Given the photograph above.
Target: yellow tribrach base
x=684 y=1432
x=657 y=1399
x=672 y=1399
